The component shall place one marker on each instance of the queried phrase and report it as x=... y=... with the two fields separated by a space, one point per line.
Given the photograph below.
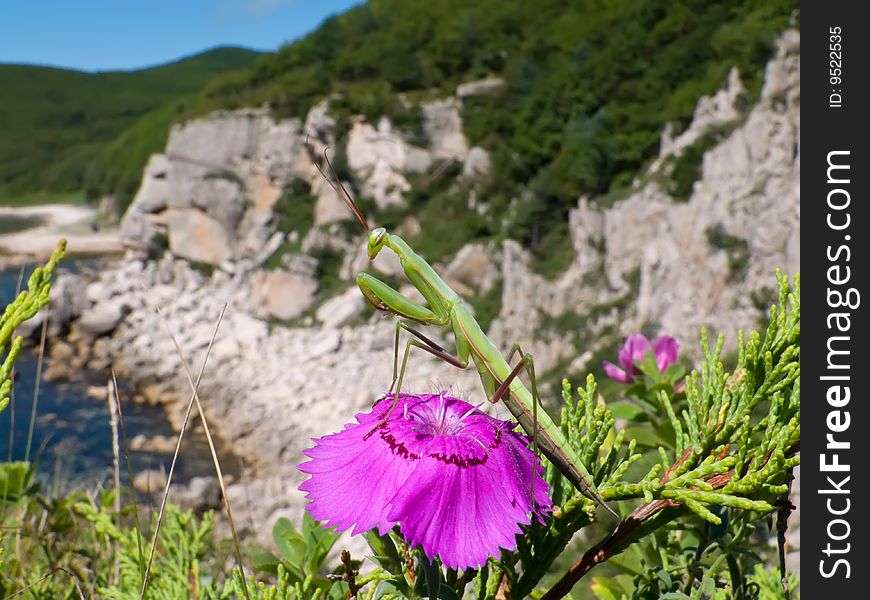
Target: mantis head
x=377 y=240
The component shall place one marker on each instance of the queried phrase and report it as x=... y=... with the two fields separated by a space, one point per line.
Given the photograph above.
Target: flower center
x=444 y=428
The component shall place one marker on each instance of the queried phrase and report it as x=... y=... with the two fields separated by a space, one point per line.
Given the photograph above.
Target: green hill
x=56 y=122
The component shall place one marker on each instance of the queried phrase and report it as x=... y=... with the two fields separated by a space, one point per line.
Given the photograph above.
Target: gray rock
x=194 y=235
x=155 y=190
x=67 y=299
x=199 y=494
x=219 y=141
x=149 y=481
x=97 y=291
x=480 y=87
x=476 y=164
x=379 y=155
x=100 y=319
x=472 y=271
x=443 y=127
x=162 y=444
x=341 y=309
x=299 y=264
x=282 y=294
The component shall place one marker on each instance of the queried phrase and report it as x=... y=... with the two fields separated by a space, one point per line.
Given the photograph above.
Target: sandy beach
x=57 y=221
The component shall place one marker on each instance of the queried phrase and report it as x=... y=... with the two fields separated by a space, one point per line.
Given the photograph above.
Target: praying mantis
x=446 y=309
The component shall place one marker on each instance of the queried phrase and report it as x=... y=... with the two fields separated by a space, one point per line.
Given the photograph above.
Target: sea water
x=72 y=437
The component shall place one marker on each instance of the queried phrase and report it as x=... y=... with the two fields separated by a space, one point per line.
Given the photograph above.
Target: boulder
x=443 y=127
x=380 y=156
x=282 y=294
x=194 y=235
x=161 y=444
x=341 y=309
x=100 y=319
x=149 y=481
x=219 y=141
x=199 y=494
x=477 y=163
x=472 y=270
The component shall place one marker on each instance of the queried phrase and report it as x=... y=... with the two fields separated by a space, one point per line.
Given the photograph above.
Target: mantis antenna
x=339 y=189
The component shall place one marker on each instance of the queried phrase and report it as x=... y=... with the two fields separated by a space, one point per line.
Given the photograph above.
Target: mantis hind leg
x=526 y=363
x=422 y=342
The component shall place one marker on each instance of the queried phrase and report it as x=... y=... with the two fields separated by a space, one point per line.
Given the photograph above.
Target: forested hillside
x=58 y=126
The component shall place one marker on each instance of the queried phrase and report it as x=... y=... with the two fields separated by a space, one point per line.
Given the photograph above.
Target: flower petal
x=465 y=514
x=635 y=348
x=345 y=469
x=665 y=349
x=615 y=372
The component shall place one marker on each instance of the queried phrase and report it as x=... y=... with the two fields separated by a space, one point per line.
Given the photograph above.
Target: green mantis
x=447 y=309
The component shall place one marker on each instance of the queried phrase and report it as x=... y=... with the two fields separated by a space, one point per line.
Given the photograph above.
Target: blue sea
x=72 y=435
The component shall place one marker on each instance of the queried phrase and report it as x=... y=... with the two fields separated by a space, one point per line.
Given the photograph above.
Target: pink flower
x=458 y=481
x=635 y=349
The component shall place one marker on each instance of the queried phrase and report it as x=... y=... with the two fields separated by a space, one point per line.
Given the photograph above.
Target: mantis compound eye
x=376 y=241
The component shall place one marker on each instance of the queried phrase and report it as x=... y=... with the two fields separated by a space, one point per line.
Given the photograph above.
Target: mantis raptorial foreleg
x=528 y=363
x=427 y=345
x=423 y=343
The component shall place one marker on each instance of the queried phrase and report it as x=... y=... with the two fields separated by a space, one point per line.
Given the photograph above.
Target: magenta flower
x=458 y=481
x=635 y=349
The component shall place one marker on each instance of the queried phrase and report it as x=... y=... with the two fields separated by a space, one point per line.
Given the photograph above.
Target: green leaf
x=649 y=367
x=675 y=372
x=627 y=411
x=385 y=552
x=266 y=562
x=605 y=589
x=432 y=577
x=291 y=545
x=14 y=480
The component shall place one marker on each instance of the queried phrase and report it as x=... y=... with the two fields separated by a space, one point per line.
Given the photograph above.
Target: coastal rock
x=97 y=292
x=194 y=235
x=341 y=309
x=149 y=481
x=721 y=109
x=100 y=319
x=381 y=156
x=161 y=444
x=199 y=494
x=67 y=299
x=473 y=270
x=283 y=294
x=632 y=260
x=477 y=163
x=329 y=206
x=155 y=190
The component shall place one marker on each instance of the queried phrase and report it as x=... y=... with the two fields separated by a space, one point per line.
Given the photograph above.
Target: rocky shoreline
x=77 y=224
x=288 y=365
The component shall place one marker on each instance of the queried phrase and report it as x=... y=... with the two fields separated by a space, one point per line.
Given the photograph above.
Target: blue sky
x=98 y=35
